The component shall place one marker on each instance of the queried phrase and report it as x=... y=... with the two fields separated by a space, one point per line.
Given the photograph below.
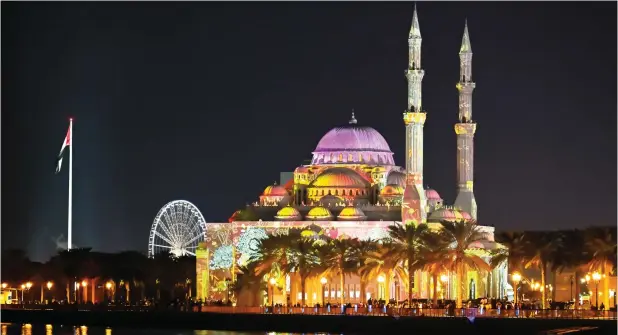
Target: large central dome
x=353 y=144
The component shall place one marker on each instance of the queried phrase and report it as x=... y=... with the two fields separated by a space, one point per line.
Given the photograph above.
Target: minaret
x=414 y=208
x=465 y=130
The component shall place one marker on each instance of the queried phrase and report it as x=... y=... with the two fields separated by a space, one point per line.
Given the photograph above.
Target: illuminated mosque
x=352 y=188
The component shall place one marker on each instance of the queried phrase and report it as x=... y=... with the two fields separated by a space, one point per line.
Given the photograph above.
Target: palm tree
x=303 y=259
x=362 y=252
x=380 y=261
x=514 y=255
x=542 y=249
x=337 y=261
x=248 y=280
x=433 y=259
x=601 y=249
x=459 y=236
x=407 y=241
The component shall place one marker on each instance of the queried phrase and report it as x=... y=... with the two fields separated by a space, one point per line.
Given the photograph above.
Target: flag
x=67 y=142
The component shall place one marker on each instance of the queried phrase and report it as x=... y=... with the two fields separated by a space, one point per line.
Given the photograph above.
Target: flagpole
x=69 y=235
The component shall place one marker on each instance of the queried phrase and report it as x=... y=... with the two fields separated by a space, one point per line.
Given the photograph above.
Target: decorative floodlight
x=596 y=276
x=323 y=281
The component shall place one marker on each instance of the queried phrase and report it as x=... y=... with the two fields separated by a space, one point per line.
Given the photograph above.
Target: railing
x=361 y=311
x=412 y=312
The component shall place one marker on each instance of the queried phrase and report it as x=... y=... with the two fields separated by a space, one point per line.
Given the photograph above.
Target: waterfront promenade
x=357 y=311
x=310 y=320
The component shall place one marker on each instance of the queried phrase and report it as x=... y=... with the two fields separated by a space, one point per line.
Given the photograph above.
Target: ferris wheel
x=178 y=228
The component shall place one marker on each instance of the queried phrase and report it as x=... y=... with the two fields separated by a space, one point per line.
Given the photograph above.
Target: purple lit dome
x=396 y=178
x=448 y=214
x=353 y=144
x=432 y=194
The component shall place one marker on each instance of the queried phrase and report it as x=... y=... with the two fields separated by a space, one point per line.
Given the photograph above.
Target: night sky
x=208 y=102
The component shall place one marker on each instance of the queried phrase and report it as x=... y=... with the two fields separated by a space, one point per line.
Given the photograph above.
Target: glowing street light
x=49 y=285
x=108 y=285
x=381 y=280
x=444 y=280
x=516 y=279
x=4 y=285
x=272 y=282
x=596 y=277
x=28 y=285
x=323 y=282
x=84 y=283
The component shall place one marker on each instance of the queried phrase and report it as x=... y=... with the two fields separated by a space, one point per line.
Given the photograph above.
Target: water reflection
x=81 y=330
x=57 y=329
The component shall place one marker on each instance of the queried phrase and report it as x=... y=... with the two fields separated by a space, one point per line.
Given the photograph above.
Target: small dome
x=392 y=190
x=351 y=213
x=432 y=194
x=319 y=213
x=275 y=191
x=330 y=201
x=288 y=213
x=340 y=177
x=447 y=214
x=396 y=178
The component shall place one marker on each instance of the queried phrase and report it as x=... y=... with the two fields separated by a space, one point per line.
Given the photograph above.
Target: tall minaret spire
x=465 y=130
x=414 y=206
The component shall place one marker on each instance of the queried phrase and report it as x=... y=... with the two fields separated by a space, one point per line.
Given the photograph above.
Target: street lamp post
x=84 y=291
x=381 y=280
x=596 y=277
x=571 y=288
x=108 y=286
x=272 y=282
x=23 y=287
x=323 y=281
x=516 y=279
x=444 y=279
x=28 y=286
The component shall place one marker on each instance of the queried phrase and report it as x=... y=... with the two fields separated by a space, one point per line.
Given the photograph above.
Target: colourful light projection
x=246 y=236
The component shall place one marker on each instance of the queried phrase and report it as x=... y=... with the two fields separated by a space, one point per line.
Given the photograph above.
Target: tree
x=600 y=244
x=433 y=259
x=303 y=259
x=380 y=261
x=407 y=241
x=514 y=256
x=458 y=237
x=337 y=261
x=362 y=252
x=542 y=249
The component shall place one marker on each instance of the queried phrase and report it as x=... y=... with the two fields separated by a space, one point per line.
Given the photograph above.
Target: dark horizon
x=209 y=102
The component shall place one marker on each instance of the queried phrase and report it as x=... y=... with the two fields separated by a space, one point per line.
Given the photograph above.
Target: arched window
x=340 y=157
x=350 y=158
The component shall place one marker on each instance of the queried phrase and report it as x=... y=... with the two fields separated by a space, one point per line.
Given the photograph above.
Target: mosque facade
x=353 y=188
